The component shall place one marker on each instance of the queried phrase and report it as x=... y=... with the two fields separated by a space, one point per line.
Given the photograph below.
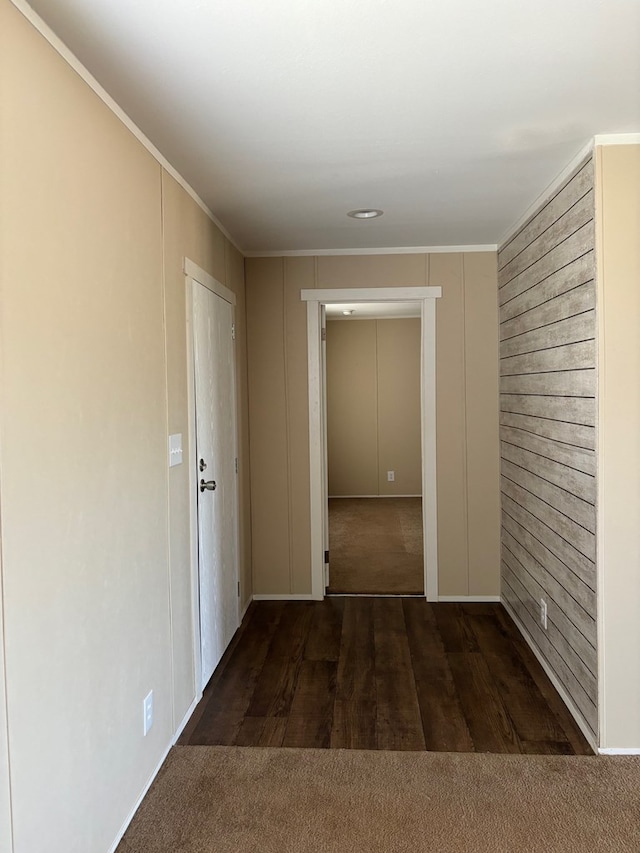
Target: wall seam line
x=465 y=465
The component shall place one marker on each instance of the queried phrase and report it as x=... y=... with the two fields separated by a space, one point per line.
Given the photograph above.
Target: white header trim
x=368 y=294
x=195 y=272
x=617 y=139
x=391 y=250
x=71 y=59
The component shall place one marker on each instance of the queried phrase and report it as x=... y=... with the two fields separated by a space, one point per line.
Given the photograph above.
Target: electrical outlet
x=147 y=710
x=543 y=613
x=391 y=476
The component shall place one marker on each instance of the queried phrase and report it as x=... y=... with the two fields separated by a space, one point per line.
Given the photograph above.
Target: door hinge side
x=326 y=556
x=323 y=335
x=238 y=589
x=233 y=331
x=236 y=464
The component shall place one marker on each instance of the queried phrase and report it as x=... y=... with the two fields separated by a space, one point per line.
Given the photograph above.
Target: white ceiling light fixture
x=348 y=312
x=365 y=213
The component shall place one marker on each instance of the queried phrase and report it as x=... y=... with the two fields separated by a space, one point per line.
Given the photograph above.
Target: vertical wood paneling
x=352 y=408
x=446 y=271
x=399 y=393
x=268 y=433
x=481 y=402
x=235 y=281
x=373 y=399
x=467 y=443
x=548 y=416
x=299 y=273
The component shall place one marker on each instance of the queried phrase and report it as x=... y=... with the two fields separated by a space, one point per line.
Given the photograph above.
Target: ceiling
x=285 y=114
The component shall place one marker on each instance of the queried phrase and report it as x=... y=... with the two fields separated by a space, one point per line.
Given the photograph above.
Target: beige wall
x=467 y=410
x=618 y=250
x=5 y=796
x=373 y=407
x=95 y=557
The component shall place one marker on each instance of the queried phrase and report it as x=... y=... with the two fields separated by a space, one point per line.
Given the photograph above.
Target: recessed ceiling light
x=365 y=213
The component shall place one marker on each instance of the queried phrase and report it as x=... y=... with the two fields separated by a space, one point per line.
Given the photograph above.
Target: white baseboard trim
x=287 y=597
x=339 y=497
x=619 y=750
x=568 y=701
x=479 y=599
x=375 y=595
x=138 y=802
x=245 y=608
x=187 y=717
x=145 y=790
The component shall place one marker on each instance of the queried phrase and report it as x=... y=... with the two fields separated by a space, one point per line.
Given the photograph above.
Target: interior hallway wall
x=373 y=407
x=95 y=554
x=467 y=410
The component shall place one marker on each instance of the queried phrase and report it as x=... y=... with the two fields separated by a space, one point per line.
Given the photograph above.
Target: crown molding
x=560 y=178
x=71 y=59
x=391 y=250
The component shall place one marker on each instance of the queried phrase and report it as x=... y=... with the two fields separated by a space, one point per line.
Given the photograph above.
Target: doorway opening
x=317 y=301
x=374 y=453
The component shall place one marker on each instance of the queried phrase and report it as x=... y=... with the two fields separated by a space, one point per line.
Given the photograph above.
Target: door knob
x=209 y=485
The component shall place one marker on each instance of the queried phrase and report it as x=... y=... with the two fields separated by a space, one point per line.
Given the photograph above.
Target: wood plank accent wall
x=548 y=410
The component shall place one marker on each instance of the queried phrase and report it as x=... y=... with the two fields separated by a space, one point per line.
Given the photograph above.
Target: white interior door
x=214 y=374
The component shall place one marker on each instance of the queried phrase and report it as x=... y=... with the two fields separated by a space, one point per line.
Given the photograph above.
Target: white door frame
x=192 y=272
x=317 y=439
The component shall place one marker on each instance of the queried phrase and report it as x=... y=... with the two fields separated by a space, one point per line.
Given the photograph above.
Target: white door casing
x=213 y=459
x=325 y=450
x=316 y=301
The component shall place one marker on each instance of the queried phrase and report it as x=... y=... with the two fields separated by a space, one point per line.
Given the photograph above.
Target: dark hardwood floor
x=383 y=673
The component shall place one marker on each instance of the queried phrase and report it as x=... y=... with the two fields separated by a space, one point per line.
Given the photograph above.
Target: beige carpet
x=375 y=546
x=226 y=799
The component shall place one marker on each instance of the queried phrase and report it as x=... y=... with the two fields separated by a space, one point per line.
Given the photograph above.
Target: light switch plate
x=147 y=713
x=175 y=449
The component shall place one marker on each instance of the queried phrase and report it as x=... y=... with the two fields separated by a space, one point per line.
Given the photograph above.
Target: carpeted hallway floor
x=375 y=546
x=236 y=800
